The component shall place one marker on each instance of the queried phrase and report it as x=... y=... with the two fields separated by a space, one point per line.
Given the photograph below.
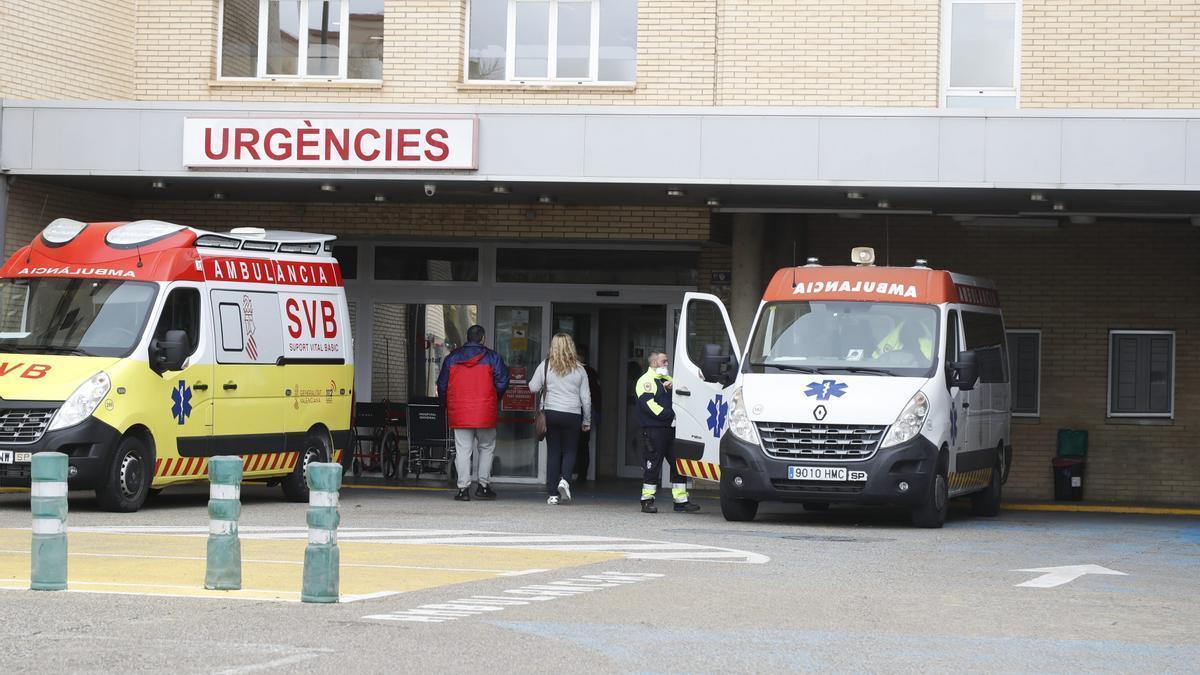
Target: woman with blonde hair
x=567 y=401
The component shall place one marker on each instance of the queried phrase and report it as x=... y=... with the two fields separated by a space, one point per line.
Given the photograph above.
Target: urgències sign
x=328 y=143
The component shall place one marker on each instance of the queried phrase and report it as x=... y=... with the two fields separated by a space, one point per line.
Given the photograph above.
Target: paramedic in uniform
x=656 y=417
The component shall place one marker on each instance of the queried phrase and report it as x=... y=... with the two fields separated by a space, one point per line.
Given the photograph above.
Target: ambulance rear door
x=705 y=372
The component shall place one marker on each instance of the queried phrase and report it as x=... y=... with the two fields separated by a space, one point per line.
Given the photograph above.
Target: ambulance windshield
x=871 y=338
x=85 y=317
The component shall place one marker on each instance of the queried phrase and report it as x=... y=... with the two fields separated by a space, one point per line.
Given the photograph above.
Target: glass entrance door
x=521 y=337
x=644 y=330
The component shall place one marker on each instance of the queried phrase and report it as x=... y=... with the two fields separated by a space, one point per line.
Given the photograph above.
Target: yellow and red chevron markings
x=696 y=469
x=197 y=467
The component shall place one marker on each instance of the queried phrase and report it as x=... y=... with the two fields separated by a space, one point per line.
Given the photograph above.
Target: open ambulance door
x=706 y=369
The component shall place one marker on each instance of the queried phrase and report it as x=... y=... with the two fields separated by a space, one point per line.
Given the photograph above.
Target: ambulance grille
x=24 y=425
x=819 y=441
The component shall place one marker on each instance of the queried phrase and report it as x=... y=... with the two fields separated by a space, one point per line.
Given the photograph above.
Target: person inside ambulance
x=908 y=344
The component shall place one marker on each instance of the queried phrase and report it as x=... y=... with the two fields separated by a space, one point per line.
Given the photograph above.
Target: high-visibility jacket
x=891 y=343
x=653 y=400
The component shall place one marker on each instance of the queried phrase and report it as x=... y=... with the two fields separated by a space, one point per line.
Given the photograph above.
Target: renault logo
x=819 y=412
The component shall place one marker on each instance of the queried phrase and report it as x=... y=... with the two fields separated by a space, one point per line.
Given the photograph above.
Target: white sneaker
x=564 y=490
x=552 y=501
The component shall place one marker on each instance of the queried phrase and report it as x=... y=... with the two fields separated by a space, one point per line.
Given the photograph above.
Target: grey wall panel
x=749 y=148
x=879 y=149
x=95 y=140
x=1193 y=153
x=642 y=147
x=527 y=145
x=962 y=150
x=161 y=141
x=16 y=138
x=1124 y=151
x=1023 y=150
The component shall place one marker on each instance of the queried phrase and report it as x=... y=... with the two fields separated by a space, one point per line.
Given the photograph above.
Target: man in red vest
x=471 y=383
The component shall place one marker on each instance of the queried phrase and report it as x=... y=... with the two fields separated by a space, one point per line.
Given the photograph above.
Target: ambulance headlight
x=909 y=423
x=82 y=403
x=739 y=422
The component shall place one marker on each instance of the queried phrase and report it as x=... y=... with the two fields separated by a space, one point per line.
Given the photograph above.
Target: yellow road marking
x=173 y=565
x=1100 y=508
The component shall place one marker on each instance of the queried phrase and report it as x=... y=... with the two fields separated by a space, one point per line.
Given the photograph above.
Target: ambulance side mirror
x=964 y=372
x=718 y=367
x=170 y=352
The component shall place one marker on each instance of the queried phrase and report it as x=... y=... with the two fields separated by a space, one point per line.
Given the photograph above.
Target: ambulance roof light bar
x=258 y=239
x=863 y=256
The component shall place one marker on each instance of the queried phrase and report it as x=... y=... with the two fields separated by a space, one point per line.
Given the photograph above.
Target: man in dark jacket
x=471 y=383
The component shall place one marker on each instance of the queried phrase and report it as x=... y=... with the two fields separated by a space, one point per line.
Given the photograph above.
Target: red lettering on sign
x=302 y=142
x=283 y=150
x=336 y=145
x=327 y=316
x=358 y=145
x=208 y=148
x=290 y=308
x=35 y=372
x=432 y=138
x=6 y=369
x=310 y=315
x=245 y=138
x=403 y=144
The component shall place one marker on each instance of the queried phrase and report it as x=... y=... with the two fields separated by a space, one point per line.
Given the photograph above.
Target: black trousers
x=562 y=443
x=658 y=443
x=583 y=458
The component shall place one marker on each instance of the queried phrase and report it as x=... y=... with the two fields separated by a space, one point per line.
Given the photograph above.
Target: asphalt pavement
x=597 y=586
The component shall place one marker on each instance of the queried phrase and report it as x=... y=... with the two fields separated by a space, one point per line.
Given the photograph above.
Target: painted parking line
x=644 y=549
x=173 y=564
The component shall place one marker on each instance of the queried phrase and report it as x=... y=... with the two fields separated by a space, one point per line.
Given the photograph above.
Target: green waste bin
x=1072 y=443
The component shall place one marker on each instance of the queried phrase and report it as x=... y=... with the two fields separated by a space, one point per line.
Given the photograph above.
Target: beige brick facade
x=1111 y=54
x=1074 y=53
x=67 y=50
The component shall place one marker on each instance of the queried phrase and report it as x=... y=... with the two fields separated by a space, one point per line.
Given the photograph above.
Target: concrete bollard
x=223 y=571
x=321 y=556
x=48 y=502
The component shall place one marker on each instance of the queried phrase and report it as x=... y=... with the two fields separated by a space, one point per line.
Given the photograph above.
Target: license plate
x=6 y=456
x=827 y=473
x=24 y=457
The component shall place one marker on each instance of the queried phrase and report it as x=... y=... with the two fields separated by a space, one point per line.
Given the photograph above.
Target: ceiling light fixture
x=546 y=199
x=328 y=187
x=1037 y=197
x=713 y=201
x=218 y=195
x=883 y=204
x=854 y=195
x=380 y=197
x=1059 y=206
x=500 y=189
x=159 y=184
x=675 y=192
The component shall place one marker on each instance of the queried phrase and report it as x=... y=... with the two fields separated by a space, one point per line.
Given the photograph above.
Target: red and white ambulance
x=862 y=384
x=143 y=349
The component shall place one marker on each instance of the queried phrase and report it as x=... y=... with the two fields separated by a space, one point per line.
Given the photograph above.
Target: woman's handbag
x=539 y=422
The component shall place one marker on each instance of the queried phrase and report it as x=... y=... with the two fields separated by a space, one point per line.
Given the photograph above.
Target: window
x=347 y=257
x=301 y=39
x=232 y=339
x=1025 y=363
x=552 y=40
x=706 y=332
x=181 y=311
x=980 y=53
x=426 y=263
x=1141 y=376
x=594 y=266
x=985 y=336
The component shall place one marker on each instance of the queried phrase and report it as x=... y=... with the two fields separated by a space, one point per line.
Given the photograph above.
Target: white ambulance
x=859 y=384
x=141 y=350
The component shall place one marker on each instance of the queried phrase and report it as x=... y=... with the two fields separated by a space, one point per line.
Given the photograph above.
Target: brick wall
x=819 y=53
x=32 y=205
x=1075 y=283
x=389 y=353
x=421 y=220
x=66 y=49
x=1111 y=54
x=424 y=59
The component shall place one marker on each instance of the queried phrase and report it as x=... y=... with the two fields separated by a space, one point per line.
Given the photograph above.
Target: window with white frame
x=980 y=53
x=568 y=41
x=301 y=39
x=1025 y=365
x=1141 y=373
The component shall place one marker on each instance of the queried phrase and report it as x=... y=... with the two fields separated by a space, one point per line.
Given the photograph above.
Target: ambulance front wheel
x=316 y=449
x=733 y=508
x=127 y=483
x=931 y=512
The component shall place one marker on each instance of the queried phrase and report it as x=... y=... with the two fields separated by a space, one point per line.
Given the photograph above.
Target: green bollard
x=321 y=556
x=48 y=502
x=223 y=571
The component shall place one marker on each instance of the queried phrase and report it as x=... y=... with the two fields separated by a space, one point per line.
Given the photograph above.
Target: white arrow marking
x=1057 y=576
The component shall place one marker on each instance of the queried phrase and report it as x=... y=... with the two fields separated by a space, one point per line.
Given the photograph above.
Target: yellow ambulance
x=143 y=349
